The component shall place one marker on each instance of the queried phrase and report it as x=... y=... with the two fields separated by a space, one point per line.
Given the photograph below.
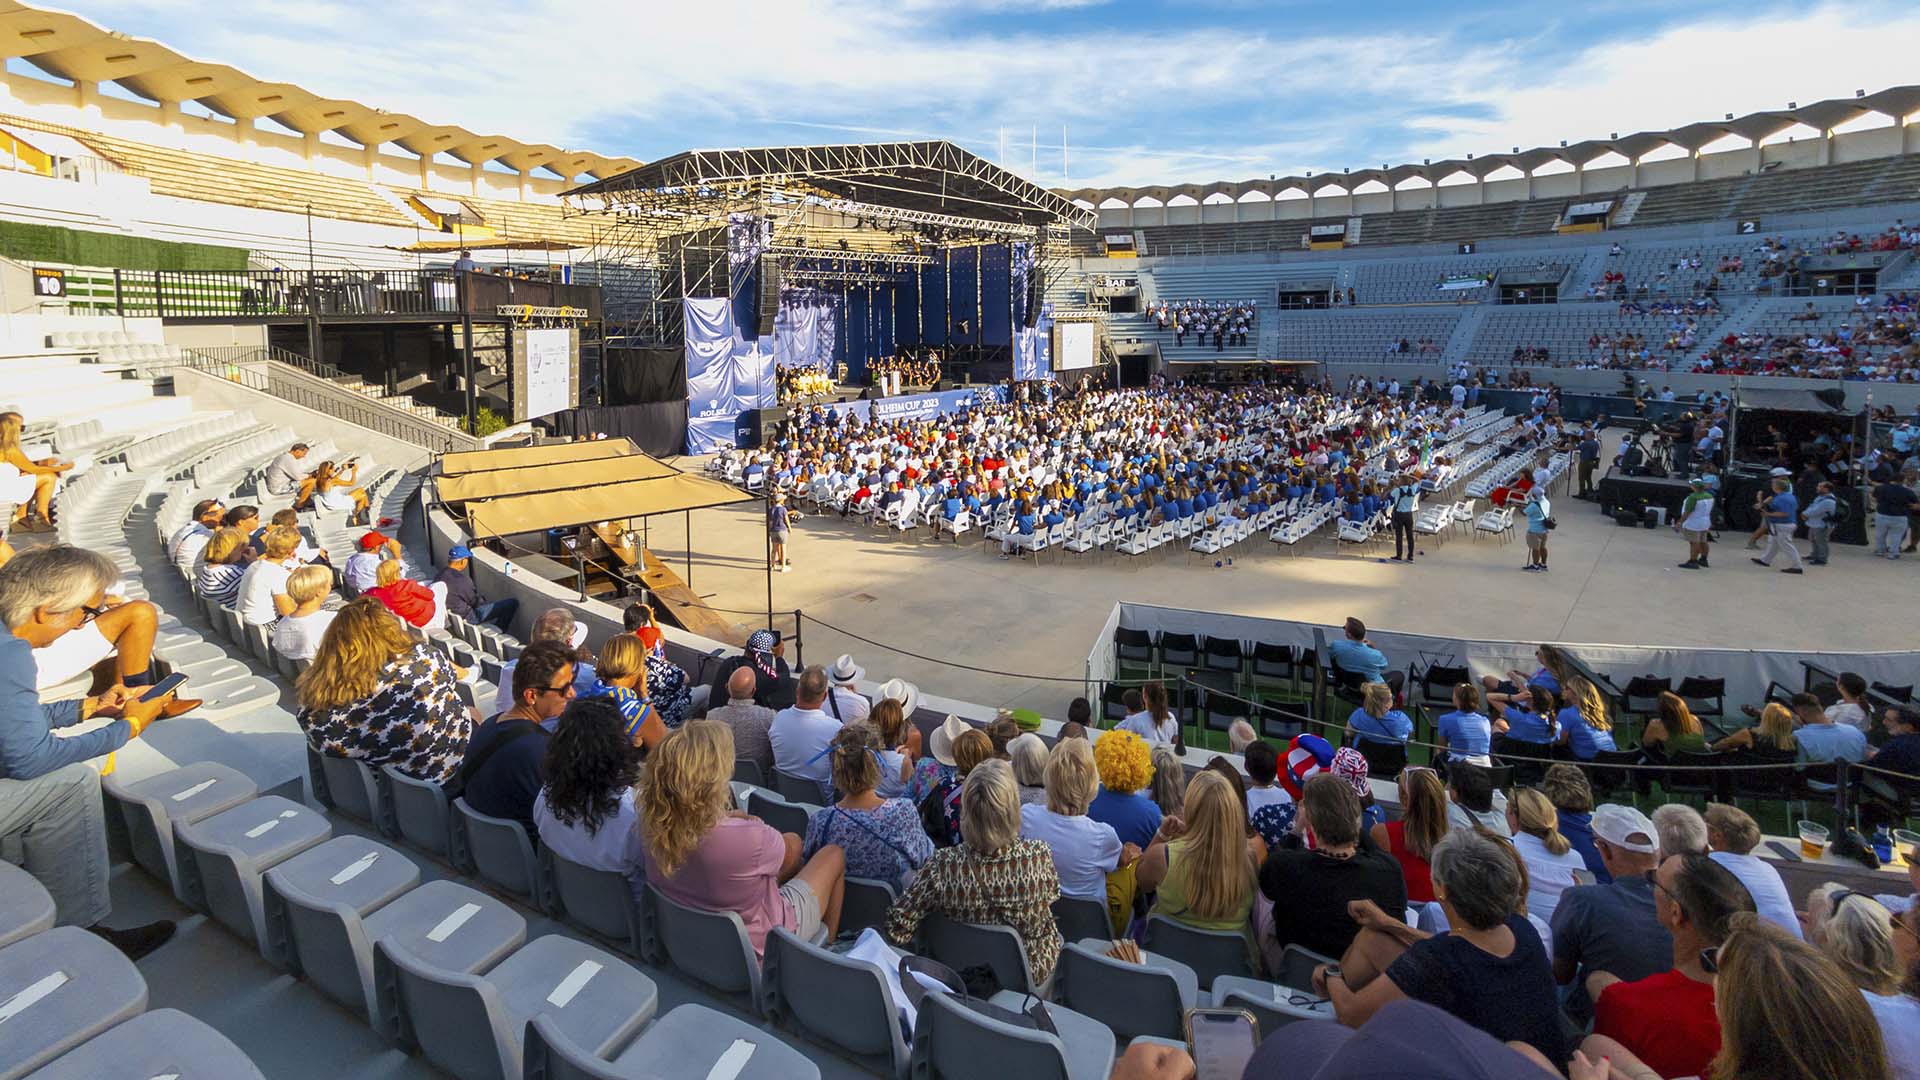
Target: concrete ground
x=963 y=606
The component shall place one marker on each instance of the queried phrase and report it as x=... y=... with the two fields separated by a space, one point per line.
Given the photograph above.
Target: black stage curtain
x=645 y=376
x=659 y=427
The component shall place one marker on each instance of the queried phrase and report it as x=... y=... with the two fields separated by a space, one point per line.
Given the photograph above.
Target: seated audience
x=1410 y=838
x=463 y=596
x=1676 y=729
x=620 y=676
x=289 y=474
x=1126 y=769
x=1201 y=870
x=958 y=748
x=1680 y=830
x=1572 y=797
x=749 y=722
x=638 y=620
x=52 y=817
x=1357 y=662
x=1270 y=807
x=1732 y=834
x=1823 y=742
x=1613 y=927
x=1667 y=1019
x=297 y=634
x=1490 y=968
x=1168 y=788
x=1769 y=742
x=1154 y=722
x=667 y=688
x=1376 y=720
x=304 y=554
x=1549 y=676
x=1860 y=937
x=845 y=703
x=558 y=627
x=1465 y=733
x=584 y=812
x=1084 y=851
x=501 y=773
x=1028 y=755
x=360 y=573
x=1900 y=1020
x=222 y=564
x=411 y=601
x=262 y=596
x=1550 y=860
x=1316 y=872
x=801 y=733
x=1525 y=725
x=765 y=656
x=333 y=489
x=1471 y=801
x=1584 y=725
x=376 y=694
x=881 y=837
x=36 y=480
x=902 y=741
x=187 y=542
x=702 y=855
x=992 y=878
x=1350 y=765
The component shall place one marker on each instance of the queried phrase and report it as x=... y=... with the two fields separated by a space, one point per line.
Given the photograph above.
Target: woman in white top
x=1155 y=723
x=1855 y=932
x=297 y=635
x=1732 y=834
x=1549 y=857
x=1084 y=851
x=585 y=812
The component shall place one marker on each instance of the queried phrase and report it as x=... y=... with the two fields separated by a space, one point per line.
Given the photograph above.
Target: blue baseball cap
x=1405 y=1038
x=458 y=551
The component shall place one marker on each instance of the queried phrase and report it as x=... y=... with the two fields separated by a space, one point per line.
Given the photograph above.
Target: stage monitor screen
x=1073 y=346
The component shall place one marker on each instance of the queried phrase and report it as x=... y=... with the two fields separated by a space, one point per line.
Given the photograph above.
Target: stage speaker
x=1036 y=295
x=756 y=426
x=769 y=293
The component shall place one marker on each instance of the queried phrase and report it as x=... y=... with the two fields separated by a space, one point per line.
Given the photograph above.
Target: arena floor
x=1607 y=585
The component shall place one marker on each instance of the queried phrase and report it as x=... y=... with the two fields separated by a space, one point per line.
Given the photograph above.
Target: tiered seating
x=1360 y=335
x=1563 y=330
x=1416 y=281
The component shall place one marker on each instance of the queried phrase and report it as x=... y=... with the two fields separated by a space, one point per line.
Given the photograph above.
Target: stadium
x=1127 y=627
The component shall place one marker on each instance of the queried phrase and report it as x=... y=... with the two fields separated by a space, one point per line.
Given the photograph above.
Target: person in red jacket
x=409 y=599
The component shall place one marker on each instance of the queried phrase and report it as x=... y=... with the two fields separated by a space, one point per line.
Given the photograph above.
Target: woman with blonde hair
x=224 y=563
x=333 y=490
x=32 y=483
x=993 y=878
x=1854 y=931
x=1084 y=851
x=1548 y=857
x=1028 y=754
x=1770 y=741
x=376 y=694
x=1376 y=720
x=1584 y=725
x=1676 y=729
x=703 y=855
x=620 y=676
x=1422 y=824
x=1200 y=867
x=297 y=635
x=409 y=600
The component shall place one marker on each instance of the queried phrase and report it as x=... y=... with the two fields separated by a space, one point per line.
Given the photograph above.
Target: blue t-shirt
x=1830 y=742
x=1393 y=727
x=1784 y=503
x=1134 y=817
x=1536 y=515
x=1358 y=657
x=1468 y=734
x=1583 y=740
x=1528 y=726
x=1545 y=680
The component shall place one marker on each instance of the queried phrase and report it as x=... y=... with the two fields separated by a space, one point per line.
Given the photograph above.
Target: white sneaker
x=784 y=569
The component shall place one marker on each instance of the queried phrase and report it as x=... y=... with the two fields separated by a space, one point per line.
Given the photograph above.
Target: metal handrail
x=317 y=385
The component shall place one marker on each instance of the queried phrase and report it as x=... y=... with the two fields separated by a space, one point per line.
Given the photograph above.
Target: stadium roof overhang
x=1898 y=102
x=70 y=47
x=933 y=178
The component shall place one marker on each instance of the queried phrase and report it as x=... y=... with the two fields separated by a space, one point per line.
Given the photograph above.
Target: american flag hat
x=1307 y=757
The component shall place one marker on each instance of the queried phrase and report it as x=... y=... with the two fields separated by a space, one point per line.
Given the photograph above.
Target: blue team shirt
x=1358 y=657
x=1467 y=734
x=1528 y=726
x=1784 y=503
x=1394 y=727
x=1584 y=741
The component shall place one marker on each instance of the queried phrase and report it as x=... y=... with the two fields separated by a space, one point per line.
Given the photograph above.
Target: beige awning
x=495 y=483
x=606 y=502
x=518 y=457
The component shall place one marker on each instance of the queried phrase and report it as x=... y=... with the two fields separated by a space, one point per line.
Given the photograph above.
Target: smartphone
x=165 y=686
x=1221 y=1041
x=1783 y=850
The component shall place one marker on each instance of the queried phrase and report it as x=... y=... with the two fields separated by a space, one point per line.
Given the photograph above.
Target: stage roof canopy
x=524 y=489
x=925 y=177
x=519 y=457
x=1781 y=400
x=496 y=483
x=605 y=502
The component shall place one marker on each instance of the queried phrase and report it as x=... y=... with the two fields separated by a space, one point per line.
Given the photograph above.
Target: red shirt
x=1667 y=1020
x=408 y=599
x=1418 y=872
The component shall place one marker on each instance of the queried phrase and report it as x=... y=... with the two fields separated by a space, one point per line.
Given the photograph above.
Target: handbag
x=971 y=992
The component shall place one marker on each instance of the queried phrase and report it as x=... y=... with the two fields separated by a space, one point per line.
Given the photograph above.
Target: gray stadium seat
x=600 y=900
x=1150 y=998
x=445 y=925
x=257 y=642
x=962 y=945
x=223 y=857
x=315 y=906
x=830 y=999
x=1273 y=1005
x=748 y=771
x=710 y=947
x=164 y=1042
x=1210 y=953
x=500 y=853
x=1296 y=967
x=149 y=809
x=797 y=789
x=782 y=813
x=693 y=1037
x=1078 y=919
x=356 y=791
x=64 y=986
x=595 y=1000
x=25 y=906
x=865 y=904
x=420 y=813
x=953 y=1042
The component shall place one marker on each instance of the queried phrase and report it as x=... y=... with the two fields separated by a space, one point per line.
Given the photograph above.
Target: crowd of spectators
x=1223 y=322
x=1423 y=347
x=802 y=381
x=920 y=370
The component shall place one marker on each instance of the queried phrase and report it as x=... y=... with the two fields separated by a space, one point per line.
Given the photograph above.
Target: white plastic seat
x=316 y=904
x=63 y=987
x=149 y=809
x=161 y=1043
x=26 y=908
x=222 y=858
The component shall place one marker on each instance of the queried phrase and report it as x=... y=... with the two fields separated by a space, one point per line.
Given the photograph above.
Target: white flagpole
x=1063 y=154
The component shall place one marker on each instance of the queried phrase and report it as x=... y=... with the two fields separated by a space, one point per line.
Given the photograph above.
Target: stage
x=1620 y=491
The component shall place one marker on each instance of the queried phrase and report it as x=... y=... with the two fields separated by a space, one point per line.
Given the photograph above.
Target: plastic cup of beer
x=1813 y=839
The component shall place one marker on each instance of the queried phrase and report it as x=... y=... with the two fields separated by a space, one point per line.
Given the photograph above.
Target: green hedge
x=52 y=244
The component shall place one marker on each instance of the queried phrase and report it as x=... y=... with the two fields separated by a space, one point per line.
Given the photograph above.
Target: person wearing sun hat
x=773 y=679
x=1351 y=765
x=902 y=691
x=845 y=703
x=363 y=566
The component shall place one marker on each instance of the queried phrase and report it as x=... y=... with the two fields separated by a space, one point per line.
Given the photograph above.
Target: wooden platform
x=674 y=600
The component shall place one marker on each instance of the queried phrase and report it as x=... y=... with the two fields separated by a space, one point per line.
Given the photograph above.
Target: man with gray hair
x=1682 y=830
x=50 y=806
x=555 y=626
x=748 y=721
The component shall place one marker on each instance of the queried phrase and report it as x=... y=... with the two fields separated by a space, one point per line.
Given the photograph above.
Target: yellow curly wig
x=1124 y=760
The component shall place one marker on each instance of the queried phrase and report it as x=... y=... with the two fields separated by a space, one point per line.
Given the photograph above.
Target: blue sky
x=1147 y=92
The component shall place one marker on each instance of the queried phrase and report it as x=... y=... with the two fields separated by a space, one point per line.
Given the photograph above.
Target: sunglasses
x=90 y=613
x=563 y=690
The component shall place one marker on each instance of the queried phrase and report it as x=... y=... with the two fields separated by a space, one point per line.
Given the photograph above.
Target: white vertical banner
x=549 y=372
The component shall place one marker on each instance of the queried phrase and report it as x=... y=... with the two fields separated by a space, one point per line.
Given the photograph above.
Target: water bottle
x=1883 y=844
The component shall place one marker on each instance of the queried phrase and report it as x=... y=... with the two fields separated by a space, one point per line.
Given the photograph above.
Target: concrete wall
x=211 y=391
x=200 y=336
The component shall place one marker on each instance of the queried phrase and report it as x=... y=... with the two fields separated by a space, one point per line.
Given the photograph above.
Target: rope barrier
x=1077 y=679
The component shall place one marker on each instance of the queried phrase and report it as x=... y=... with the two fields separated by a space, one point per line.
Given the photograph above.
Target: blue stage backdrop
x=963 y=296
x=726 y=374
x=748 y=237
x=1033 y=349
x=996 y=307
x=806 y=328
